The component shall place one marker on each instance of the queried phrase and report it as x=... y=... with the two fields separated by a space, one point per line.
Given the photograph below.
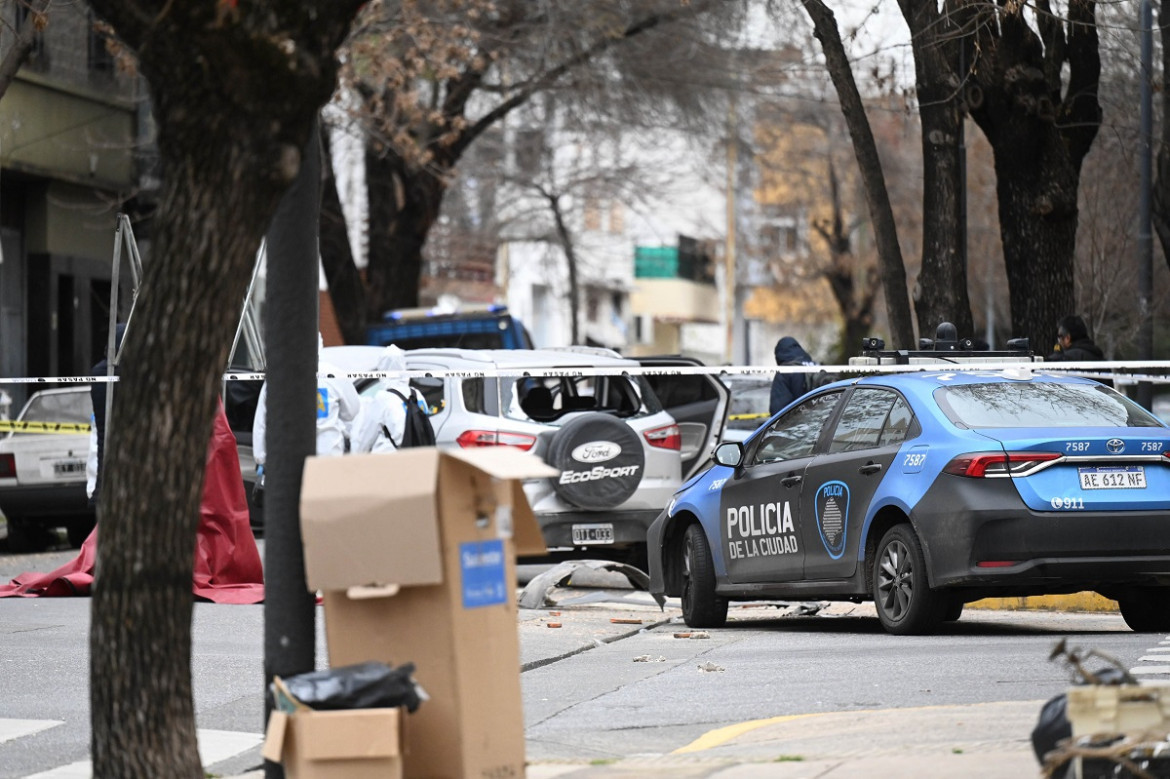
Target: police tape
x=1117 y=371
x=43 y=427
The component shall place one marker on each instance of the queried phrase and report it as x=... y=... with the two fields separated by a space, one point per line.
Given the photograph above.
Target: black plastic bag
x=370 y=685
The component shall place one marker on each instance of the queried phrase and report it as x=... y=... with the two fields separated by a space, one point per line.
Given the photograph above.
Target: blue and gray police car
x=925 y=491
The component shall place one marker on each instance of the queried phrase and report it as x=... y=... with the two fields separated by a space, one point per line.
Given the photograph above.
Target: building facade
x=70 y=126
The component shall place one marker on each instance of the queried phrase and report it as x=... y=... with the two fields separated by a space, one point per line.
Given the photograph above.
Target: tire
x=25 y=537
x=905 y=603
x=601 y=461
x=1146 y=609
x=701 y=607
x=78 y=530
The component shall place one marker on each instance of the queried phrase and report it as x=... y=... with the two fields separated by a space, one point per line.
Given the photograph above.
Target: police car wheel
x=601 y=461
x=1144 y=609
x=701 y=607
x=905 y=603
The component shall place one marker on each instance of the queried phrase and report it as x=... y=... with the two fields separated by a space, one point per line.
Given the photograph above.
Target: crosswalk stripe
x=19 y=728
x=214 y=746
x=1150 y=669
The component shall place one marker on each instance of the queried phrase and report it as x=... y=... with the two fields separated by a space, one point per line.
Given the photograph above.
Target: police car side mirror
x=729 y=454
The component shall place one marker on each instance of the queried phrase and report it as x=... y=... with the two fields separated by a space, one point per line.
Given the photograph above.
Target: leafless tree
x=435 y=77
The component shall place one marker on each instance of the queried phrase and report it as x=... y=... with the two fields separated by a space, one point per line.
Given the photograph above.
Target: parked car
x=620 y=452
x=750 y=396
x=42 y=474
x=925 y=491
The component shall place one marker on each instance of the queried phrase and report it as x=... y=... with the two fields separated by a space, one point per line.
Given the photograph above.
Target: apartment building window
x=99 y=58
x=529 y=152
x=617 y=218
x=592 y=216
x=38 y=55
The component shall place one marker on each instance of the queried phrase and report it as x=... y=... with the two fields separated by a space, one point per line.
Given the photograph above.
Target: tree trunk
x=233 y=112
x=346 y=288
x=941 y=292
x=893 y=270
x=1039 y=140
x=1161 y=194
x=26 y=37
x=404 y=204
x=566 y=241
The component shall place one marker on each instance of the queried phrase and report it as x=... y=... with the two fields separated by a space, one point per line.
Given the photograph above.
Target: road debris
x=554 y=624
x=693 y=634
x=649 y=659
x=709 y=667
x=622 y=621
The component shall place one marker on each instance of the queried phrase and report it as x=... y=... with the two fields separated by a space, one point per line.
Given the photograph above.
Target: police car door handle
x=869 y=468
x=791 y=479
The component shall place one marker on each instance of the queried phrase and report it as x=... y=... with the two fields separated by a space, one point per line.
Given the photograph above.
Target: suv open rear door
x=698 y=403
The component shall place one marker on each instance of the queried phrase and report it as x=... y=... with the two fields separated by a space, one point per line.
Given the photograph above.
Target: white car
x=42 y=474
x=620 y=451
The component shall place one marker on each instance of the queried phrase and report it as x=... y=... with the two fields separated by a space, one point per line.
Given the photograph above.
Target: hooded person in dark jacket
x=787 y=387
x=1073 y=343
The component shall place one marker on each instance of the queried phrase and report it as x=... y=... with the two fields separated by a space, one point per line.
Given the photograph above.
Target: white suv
x=621 y=454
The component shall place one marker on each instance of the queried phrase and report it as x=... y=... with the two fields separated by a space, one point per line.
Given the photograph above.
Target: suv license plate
x=66 y=468
x=601 y=533
x=1113 y=477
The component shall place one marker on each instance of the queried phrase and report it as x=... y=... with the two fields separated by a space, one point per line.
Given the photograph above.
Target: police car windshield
x=1040 y=404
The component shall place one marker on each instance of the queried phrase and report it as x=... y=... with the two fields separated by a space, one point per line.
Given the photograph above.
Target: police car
x=925 y=491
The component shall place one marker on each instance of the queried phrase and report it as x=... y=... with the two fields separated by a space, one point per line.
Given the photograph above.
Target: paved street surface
x=594 y=627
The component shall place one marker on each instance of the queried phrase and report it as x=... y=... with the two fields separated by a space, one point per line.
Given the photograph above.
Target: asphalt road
x=618 y=680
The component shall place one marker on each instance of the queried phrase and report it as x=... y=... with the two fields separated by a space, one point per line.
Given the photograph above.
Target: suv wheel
x=601 y=461
x=701 y=607
x=1144 y=609
x=905 y=603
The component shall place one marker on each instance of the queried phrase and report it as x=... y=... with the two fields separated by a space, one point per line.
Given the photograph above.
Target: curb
x=1077 y=601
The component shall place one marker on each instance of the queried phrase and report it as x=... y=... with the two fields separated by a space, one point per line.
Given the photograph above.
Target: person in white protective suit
x=337 y=406
x=385 y=409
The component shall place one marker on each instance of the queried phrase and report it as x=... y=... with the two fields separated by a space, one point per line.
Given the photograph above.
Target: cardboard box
x=353 y=744
x=415 y=552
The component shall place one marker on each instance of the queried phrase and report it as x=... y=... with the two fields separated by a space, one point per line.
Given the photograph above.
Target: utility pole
x=290 y=332
x=1145 y=390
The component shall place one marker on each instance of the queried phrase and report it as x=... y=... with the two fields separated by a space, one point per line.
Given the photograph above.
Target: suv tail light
x=999 y=465
x=7 y=466
x=667 y=437
x=471 y=439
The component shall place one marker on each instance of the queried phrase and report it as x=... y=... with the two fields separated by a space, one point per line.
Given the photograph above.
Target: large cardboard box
x=354 y=744
x=415 y=552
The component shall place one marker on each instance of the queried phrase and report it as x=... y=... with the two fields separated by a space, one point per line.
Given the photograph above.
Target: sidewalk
x=982 y=740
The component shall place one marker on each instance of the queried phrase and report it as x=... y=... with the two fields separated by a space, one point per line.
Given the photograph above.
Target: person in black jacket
x=1073 y=343
x=787 y=387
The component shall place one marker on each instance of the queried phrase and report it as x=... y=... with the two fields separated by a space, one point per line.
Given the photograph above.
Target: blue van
x=471 y=327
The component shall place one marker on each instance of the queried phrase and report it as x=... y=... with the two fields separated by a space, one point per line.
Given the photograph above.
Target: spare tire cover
x=600 y=459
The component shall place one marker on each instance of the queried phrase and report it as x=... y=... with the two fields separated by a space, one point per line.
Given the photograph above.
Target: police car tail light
x=472 y=439
x=999 y=465
x=7 y=466
x=667 y=437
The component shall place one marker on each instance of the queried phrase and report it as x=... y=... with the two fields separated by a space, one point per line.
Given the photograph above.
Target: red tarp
x=227 y=562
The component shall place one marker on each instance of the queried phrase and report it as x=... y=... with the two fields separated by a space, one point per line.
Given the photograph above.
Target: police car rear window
x=1040 y=404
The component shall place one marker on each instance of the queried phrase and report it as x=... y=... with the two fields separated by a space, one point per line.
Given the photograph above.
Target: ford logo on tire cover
x=596 y=452
x=600 y=458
